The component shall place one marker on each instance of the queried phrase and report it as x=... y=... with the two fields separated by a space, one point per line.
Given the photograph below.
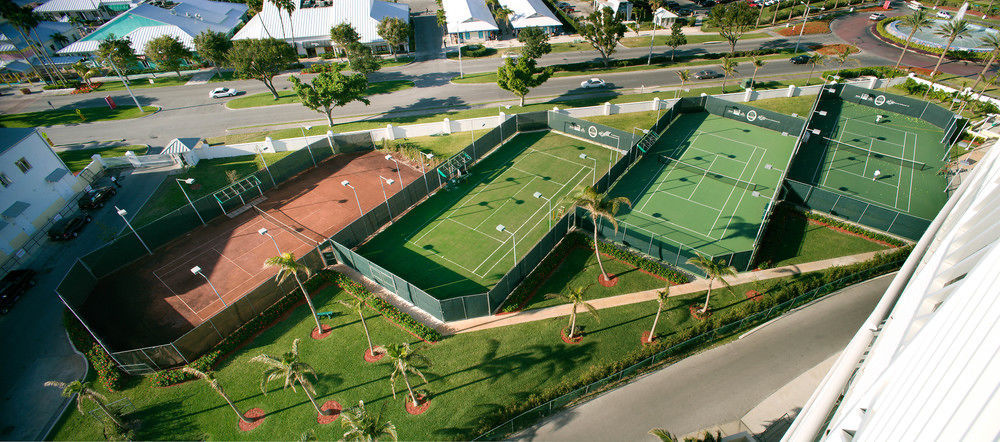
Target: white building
x=85 y=10
x=531 y=14
x=311 y=22
x=664 y=18
x=34 y=185
x=48 y=36
x=621 y=7
x=469 y=20
x=925 y=366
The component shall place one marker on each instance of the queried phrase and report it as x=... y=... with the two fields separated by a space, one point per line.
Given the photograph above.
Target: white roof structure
x=925 y=366
x=663 y=14
x=56 y=6
x=530 y=13
x=468 y=16
x=313 y=24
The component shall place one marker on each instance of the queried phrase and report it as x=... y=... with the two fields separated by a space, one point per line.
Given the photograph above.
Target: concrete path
x=487 y=322
x=721 y=384
x=200 y=78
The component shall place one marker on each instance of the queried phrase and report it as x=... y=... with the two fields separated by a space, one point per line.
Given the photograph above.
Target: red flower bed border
x=373 y=357
x=696 y=313
x=812 y=221
x=575 y=340
x=256 y=414
x=813 y=27
x=330 y=405
x=424 y=404
x=317 y=335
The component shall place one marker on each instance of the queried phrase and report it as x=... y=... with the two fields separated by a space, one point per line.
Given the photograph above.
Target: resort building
x=664 y=18
x=531 y=14
x=621 y=7
x=82 y=10
x=469 y=21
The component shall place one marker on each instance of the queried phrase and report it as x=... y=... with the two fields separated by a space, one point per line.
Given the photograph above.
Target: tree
x=261 y=59
x=845 y=57
x=991 y=41
x=364 y=426
x=344 y=35
x=117 y=52
x=59 y=39
x=714 y=270
x=362 y=60
x=213 y=47
x=403 y=359
x=287 y=265
x=84 y=390
x=757 y=63
x=213 y=383
x=168 y=52
x=536 y=42
x=357 y=304
x=676 y=38
x=815 y=60
x=728 y=70
x=733 y=20
x=661 y=299
x=288 y=7
x=600 y=207
x=520 y=75
x=395 y=32
x=290 y=369
x=603 y=29
x=329 y=90
x=256 y=6
x=664 y=435
x=916 y=21
x=442 y=20
x=950 y=30
x=24 y=19
x=575 y=297
x=684 y=76
x=85 y=71
x=500 y=13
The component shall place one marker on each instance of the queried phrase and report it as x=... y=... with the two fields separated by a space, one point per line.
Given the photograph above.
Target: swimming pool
x=121 y=26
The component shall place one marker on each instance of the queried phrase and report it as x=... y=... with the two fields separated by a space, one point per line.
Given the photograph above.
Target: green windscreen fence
x=756 y=116
x=911 y=107
x=856 y=210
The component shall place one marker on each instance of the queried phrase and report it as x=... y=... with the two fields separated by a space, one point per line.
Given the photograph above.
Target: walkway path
x=200 y=78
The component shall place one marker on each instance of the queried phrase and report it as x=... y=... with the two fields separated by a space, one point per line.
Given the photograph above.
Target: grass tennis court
x=704 y=185
x=892 y=162
x=450 y=245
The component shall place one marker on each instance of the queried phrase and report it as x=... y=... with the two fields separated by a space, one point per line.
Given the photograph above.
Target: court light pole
x=189 y=181
x=122 y=213
x=400 y=177
x=549 y=200
x=197 y=271
x=584 y=156
x=306 y=140
x=268 y=169
x=263 y=232
x=346 y=183
x=422 y=172
x=513 y=241
x=805 y=19
x=382 y=182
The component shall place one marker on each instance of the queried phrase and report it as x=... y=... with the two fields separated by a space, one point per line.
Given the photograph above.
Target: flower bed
x=107 y=370
x=813 y=27
x=836 y=49
x=916 y=46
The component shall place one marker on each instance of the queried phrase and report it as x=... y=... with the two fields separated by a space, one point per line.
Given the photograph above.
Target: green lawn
x=791 y=239
x=289 y=96
x=661 y=39
x=442 y=146
x=68 y=116
x=571 y=47
x=142 y=83
x=794 y=105
x=224 y=76
x=627 y=121
x=78 y=159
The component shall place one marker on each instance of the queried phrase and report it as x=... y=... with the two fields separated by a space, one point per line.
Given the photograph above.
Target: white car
x=221 y=92
x=943 y=14
x=876 y=16
x=592 y=83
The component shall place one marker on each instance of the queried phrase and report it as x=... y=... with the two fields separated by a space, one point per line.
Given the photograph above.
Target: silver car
x=221 y=92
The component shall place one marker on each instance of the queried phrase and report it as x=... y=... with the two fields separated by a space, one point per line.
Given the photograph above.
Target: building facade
x=469 y=21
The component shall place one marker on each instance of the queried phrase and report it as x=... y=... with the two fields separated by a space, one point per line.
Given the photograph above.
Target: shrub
x=477 y=50
x=852 y=228
x=107 y=370
x=388 y=310
x=872 y=71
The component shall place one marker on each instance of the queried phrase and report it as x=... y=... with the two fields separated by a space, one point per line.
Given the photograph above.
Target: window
x=4 y=181
x=23 y=164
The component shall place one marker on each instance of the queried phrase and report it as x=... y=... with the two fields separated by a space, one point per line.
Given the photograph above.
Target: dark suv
x=95 y=198
x=800 y=59
x=13 y=286
x=68 y=228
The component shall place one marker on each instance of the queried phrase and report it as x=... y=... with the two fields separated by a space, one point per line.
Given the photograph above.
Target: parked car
x=95 y=198
x=799 y=59
x=706 y=74
x=592 y=83
x=68 y=228
x=944 y=14
x=221 y=92
x=876 y=16
x=13 y=286
x=514 y=55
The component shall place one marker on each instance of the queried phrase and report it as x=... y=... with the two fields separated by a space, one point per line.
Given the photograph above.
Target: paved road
x=722 y=384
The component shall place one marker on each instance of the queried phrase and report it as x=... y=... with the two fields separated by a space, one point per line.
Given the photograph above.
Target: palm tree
x=59 y=39
x=916 y=21
x=364 y=426
x=684 y=76
x=600 y=207
x=845 y=57
x=287 y=6
x=85 y=71
x=757 y=63
x=661 y=300
x=714 y=270
x=214 y=384
x=403 y=357
x=728 y=69
x=287 y=265
x=991 y=41
x=256 y=6
x=664 y=435
x=83 y=390
x=575 y=297
x=951 y=30
x=292 y=370
x=358 y=303
x=814 y=60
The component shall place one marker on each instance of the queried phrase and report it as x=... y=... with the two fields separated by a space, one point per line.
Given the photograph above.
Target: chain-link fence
x=853 y=209
x=911 y=107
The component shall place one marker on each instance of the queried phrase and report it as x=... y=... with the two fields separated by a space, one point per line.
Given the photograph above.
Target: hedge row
x=913 y=88
x=648 y=264
x=787 y=291
x=855 y=229
x=107 y=370
x=872 y=71
x=664 y=60
x=955 y=55
x=388 y=310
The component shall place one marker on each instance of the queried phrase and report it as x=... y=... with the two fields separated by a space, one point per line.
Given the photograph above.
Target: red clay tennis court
x=158 y=298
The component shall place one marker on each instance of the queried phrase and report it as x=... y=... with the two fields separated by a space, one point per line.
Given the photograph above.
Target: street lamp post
x=584 y=156
x=805 y=19
x=400 y=177
x=549 y=200
x=306 y=140
x=382 y=182
x=197 y=271
x=189 y=181
x=263 y=232
x=346 y=183
x=122 y=213
x=513 y=241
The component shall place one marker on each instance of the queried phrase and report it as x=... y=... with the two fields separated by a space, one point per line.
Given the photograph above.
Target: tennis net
x=868 y=153
x=286 y=227
x=678 y=164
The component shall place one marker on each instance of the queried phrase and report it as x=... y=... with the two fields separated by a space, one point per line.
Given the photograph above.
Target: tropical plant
x=261 y=59
x=603 y=29
x=291 y=370
x=845 y=57
x=733 y=20
x=287 y=265
x=815 y=60
x=59 y=39
x=256 y=6
x=82 y=391
x=362 y=425
x=362 y=60
x=714 y=270
x=288 y=7
x=168 y=52
x=344 y=35
x=661 y=299
x=950 y=30
x=675 y=39
x=117 y=53
x=991 y=41
x=536 y=42
x=684 y=76
x=213 y=383
x=664 y=435
x=728 y=70
x=575 y=297
x=394 y=31
x=520 y=75
x=357 y=304
x=213 y=47
x=757 y=63
x=442 y=19
x=600 y=207
x=916 y=21
x=85 y=71
x=403 y=359
x=24 y=19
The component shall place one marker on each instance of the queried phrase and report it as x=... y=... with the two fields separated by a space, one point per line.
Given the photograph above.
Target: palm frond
x=593 y=311
x=266 y=359
x=664 y=435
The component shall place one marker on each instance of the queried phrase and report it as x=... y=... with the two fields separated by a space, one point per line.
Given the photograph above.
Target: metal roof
x=468 y=16
x=75 y=5
x=530 y=13
x=181 y=145
x=311 y=24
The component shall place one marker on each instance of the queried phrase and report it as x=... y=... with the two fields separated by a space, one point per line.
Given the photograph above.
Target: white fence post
x=748 y=95
x=791 y=90
x=656 y=103
x=99 y=159
x=607 y=108
x=389 y=132
x=446 y=126
x=871 y=82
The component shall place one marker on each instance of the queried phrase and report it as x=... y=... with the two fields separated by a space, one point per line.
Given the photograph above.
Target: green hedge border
x=388 y=310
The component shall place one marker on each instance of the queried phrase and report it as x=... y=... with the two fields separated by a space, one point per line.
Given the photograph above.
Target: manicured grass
x=288 y=96
x=142 y=83
x=794 y=105
x=627 y=121
x=78 y=159
x=394 y=62
x=442 y=146
x=792 y=239
x=224 y=76
x=68 y=116
x=571 y=47
x=661 y=39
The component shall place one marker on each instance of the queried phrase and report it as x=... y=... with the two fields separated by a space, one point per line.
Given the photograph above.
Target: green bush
x=477 y=50
x=852 y=228
x=107 y=370
x=322 y=67
x=961 y=55
x=871 y=71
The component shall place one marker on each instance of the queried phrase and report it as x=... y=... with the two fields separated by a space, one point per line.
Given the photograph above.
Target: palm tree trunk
x=724 y=78
x=572 y=322
x=708 y=296
x=46 y=56
x=309 y=301
x=597 y=252
x=311 y=399
x=522 y=100
x=981 y=74
x=941 y=58
x=413 y=397
x=811 y=70
x=652 y=331
x=236 y=410
x=906 y=46
x=361 y=313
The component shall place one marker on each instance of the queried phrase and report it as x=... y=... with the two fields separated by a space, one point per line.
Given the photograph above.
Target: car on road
x=221 y=92
x=799 y=59
x=943 y=14
x=592 y=83
x=68 y=228
x=95 y=198
x=707 y=74
x=876 y=16
x=514 y=55
x=13 y=286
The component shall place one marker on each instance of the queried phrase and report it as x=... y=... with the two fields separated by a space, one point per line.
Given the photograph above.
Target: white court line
x=728 y=198
x=868 y=156
x=662 y=220
x=509 y=199
x=859 y=120
x=553 y=156
x=535 y=174
x=873 y=137
x=896 y=203
x=712 y=134
x=742 y=197
x=709 y=168
x=859 y=176
x=234 y=262
x=909 y=197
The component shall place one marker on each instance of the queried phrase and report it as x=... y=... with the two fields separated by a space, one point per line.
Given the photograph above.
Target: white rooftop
x=312 y=24
x=468 y=16
x=54 y=6
x=529 y=13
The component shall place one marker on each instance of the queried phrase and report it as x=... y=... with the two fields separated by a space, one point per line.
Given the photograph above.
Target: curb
x=67 y=401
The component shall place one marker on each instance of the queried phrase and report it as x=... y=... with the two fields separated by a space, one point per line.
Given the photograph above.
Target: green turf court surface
x=905 y=152
x=715 y=213
x=449 y=245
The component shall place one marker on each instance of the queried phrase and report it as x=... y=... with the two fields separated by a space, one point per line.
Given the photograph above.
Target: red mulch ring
x=372 y=357
x=647 y=338
x=333 y=406
x=813 y=27
x=326 y=332
x=575 y=340
x=753 y=295
x=696 y=312
x=607 y=282
x=254 y=414
x=834 y=49
x=423 y=404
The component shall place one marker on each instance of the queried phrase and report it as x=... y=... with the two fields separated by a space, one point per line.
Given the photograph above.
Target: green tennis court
x=876 y=156
x=451 y=245
x=704 y=186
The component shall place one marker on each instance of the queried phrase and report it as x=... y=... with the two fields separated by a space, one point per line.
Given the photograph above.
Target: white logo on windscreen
x=880 y=100
x=592 y=131
x=751 y=115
